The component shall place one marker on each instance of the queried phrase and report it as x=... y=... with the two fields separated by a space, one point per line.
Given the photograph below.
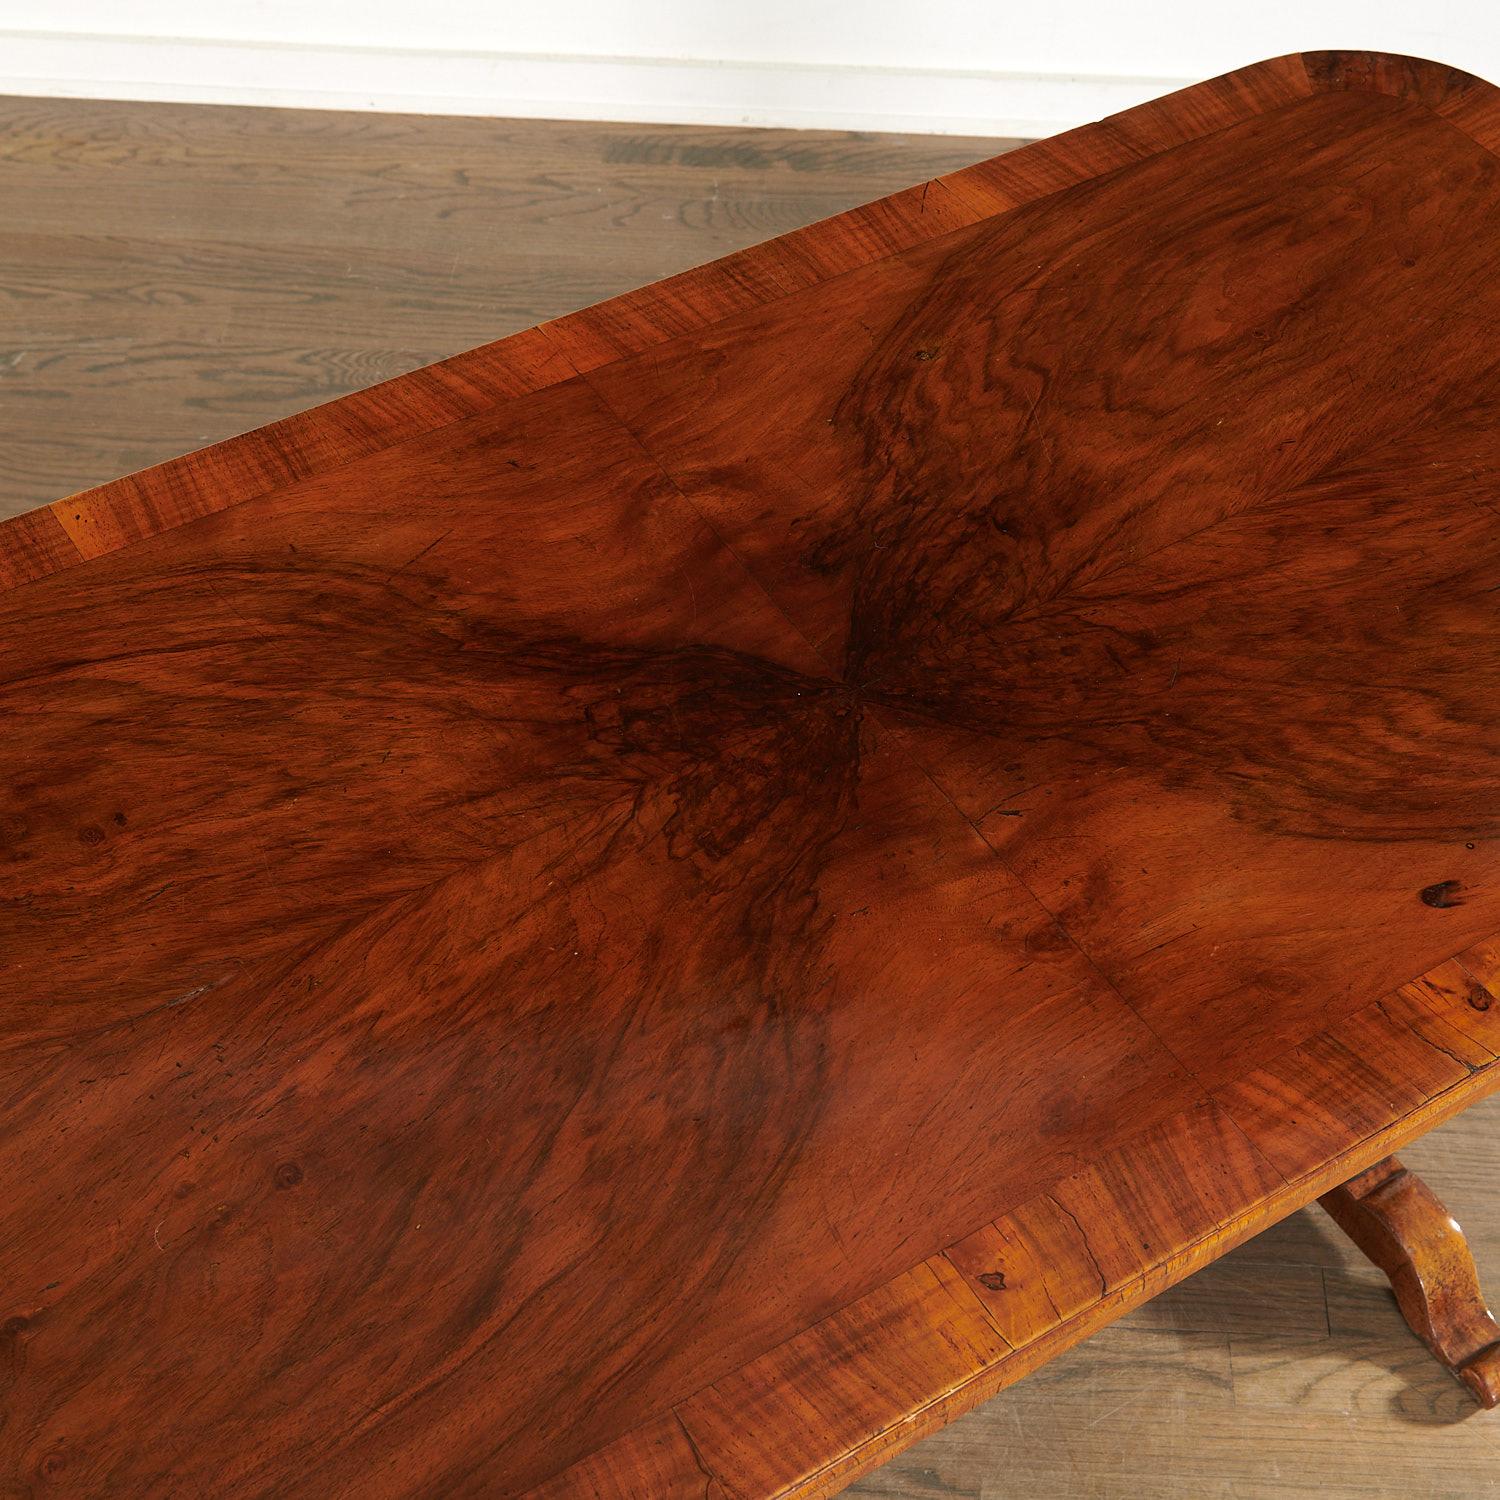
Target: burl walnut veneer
x=662 y=906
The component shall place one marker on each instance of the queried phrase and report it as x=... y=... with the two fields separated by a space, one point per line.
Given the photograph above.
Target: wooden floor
x=171 y=275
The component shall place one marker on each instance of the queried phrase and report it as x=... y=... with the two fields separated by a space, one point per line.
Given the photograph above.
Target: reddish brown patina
x=660 y=907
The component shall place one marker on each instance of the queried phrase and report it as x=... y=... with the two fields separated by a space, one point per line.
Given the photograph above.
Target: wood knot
x=1443 y=894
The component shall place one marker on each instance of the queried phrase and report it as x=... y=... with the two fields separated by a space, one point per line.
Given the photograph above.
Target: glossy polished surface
x=660 y=906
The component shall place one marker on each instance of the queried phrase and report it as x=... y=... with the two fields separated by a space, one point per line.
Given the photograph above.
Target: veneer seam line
x=1340 y=1163
x=310 y=477
x=1288 y=1184
x=546 y=328
x=1052 y=916
x=669 y=339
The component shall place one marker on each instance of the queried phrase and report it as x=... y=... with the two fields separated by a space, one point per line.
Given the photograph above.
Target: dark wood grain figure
x=661 y=906
x=1393 y=1216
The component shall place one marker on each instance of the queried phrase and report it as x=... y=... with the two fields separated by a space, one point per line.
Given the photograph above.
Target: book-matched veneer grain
x=662 y=906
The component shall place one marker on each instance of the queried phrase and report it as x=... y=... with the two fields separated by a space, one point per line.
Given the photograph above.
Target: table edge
x=713 y=1441
x=105 y=518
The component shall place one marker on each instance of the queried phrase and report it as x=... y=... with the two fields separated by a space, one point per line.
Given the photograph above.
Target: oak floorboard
x=171 y=275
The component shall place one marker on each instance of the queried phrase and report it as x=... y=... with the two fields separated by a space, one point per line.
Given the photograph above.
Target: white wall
x=982 y=66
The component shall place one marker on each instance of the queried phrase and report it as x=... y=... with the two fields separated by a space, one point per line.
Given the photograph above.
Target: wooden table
x=660 y=907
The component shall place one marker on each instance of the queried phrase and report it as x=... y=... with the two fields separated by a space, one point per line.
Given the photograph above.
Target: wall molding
x=647 y=90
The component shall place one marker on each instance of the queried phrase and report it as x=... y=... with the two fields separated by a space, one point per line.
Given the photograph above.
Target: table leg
x=1398 y=1221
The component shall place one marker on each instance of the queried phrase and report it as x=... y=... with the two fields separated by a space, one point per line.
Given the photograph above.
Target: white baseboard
x=646 y=90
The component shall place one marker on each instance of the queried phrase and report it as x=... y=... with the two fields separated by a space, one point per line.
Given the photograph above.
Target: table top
x=662 y=906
